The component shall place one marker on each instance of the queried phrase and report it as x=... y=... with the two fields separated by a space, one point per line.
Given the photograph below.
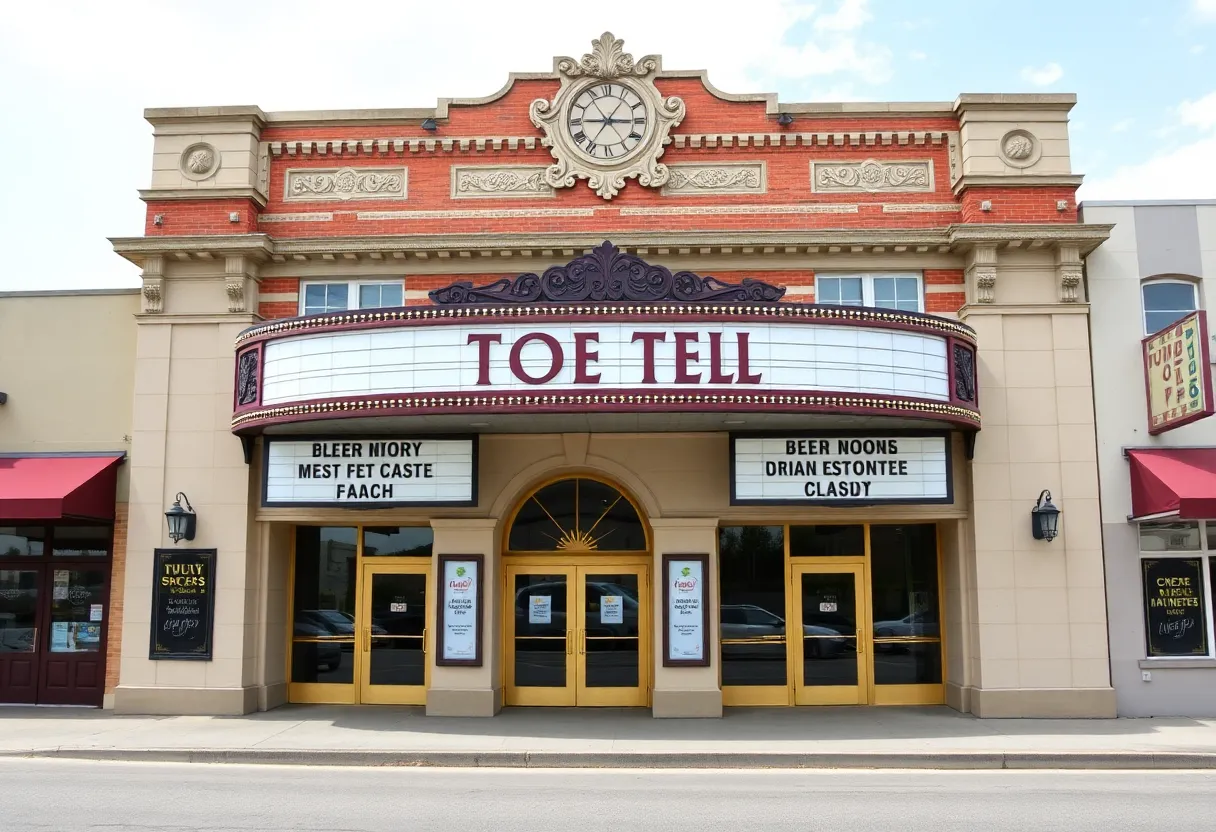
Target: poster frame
x=668 y=559
x=201 y=656
x=441 y=607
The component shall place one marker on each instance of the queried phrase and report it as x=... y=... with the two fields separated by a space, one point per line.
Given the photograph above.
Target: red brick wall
x=201 y=216
x=118 y=571
x=1019 y=204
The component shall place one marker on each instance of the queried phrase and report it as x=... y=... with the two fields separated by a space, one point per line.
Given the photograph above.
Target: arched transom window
x=577 y=515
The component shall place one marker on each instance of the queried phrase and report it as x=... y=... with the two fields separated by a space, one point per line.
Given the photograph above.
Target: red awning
x=51 y=487
x=1173 y=482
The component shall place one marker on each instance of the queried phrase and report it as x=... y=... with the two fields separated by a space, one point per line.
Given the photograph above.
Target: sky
x=76 y=75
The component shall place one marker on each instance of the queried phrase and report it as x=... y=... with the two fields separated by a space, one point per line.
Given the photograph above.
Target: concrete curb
x=680 y=759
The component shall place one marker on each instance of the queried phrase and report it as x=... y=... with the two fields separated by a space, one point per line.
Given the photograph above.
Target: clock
x=608 y=121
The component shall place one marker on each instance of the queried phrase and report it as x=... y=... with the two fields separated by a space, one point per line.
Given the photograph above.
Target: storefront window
x=80 y=541
x=323 y=626
x=22 y=541
x=394 y=541
x=905 y=606
x=827 y=541
x=18 y=610
x=77 y=609
x=1176 y=586
x=751 y=569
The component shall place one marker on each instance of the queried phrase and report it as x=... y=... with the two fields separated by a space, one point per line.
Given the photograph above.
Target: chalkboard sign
x=183 y=604
x=1174 y=607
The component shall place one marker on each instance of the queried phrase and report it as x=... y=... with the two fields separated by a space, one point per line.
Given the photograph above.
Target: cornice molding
x=1022 y=180
x=957 y=238
x=174 y=194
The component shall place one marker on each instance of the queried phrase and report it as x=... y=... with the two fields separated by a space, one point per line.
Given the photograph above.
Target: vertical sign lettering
x=183 y=604
x=460 y=610
x=686 y=616
x=1174 y=607
x=1176 y=374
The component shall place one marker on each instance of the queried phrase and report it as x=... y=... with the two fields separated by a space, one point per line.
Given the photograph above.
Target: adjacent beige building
x=675 y=399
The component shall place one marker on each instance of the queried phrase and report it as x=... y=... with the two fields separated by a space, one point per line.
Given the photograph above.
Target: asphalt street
x=72 y=796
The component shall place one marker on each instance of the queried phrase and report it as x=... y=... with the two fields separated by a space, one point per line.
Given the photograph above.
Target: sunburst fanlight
x=573 y=540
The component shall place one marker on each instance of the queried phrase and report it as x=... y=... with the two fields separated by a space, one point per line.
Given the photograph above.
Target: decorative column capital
x=1068 y=271
x=153 y=285
x=240 y=282
x=980 y=273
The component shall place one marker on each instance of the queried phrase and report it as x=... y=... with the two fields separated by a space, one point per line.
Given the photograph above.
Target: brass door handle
x=861 y=640
x=569 y=642
x=582 y=642
x=367 y=639
x=424 y=641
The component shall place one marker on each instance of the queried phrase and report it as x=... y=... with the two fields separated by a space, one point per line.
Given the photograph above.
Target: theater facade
x=611 y=389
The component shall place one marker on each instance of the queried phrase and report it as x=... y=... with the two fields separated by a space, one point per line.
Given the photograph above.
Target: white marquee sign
x=828 y=468
x=380 y=471
x=601 y=357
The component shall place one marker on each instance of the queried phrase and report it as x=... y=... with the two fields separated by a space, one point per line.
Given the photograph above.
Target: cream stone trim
x=872 y=176
x=490 y=213
x=705 y=179
x=1021 y=180
x=944 y=288
x=689 y=210
x=399 y=146
x=955 y=238
x=346 y=183
x=921 y=208
x=500 y=182
x=311 y=216
x=865 y=138
x=150 y=194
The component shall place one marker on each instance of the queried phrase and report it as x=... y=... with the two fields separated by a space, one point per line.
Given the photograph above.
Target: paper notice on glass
x=827 y=606
x=95 y=612
x=540 y=609
x=397 y=606
x=686 y=611
x=612 y=610
x=460 y=610
x=87 y=634
x=60 y=637
x=60 y=590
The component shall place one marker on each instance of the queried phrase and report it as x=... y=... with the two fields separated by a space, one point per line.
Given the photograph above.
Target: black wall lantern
x=181 y=520
x=1044 y=518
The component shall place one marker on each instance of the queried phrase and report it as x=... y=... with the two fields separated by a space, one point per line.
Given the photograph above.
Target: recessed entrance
x=577 y=627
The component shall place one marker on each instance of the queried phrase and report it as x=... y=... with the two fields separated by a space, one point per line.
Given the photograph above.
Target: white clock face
x=607 y=121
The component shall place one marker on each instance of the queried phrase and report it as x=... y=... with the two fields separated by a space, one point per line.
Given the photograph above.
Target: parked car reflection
x=752 y=632
x=328 y=654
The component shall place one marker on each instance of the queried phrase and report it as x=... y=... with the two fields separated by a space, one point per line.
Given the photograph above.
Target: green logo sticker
x=459 y=571
x=685 y=571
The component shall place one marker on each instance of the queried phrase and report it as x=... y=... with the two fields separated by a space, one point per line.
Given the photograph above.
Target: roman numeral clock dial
x=607 y=121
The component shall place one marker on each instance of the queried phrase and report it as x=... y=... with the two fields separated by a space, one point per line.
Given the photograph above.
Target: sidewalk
x=787 y=738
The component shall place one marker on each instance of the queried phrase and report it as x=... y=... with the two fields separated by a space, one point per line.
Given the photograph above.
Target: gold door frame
x=788 y=694
x=860 y=693
x=326 y=693
x=574 y=563
x=370 y=694
x=576 y=692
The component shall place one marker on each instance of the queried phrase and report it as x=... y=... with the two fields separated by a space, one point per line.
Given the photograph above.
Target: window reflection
x=21 y=541
x=905 y=603
x=751 y=564
x=324 y=605
x=394 y=541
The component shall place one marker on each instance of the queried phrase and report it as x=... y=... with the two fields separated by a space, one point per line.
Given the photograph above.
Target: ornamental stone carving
x=247 y=378
x=981 y=273
x=742 y=178
x=199 y=161
x=964 y=373
x=605 y=275
x=608 y=121
x=1019 y=148
x=1068 y=269
x=154 y=298
x=499 y=181
x=322 y=184
x=872 y=176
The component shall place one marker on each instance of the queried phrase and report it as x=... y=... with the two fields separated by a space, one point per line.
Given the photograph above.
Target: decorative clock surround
x=608 y=121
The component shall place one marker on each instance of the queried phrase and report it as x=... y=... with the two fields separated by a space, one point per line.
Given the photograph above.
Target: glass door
x=613 y=657
x=21 y=593
x=577 y=635
x=393 y=636
x=829 y=660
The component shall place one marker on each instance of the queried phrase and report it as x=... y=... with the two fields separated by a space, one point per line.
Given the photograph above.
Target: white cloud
x=850 y=15
x=1198 y=48
x=1201 y=113
x=1183 y=172
x=1205 y=8
x=1044 y=75
x=1122 y=125
x=917 y=55
x=88 y=66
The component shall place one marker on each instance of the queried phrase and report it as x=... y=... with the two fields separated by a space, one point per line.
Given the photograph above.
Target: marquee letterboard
x=1174 y=607
x=183 y=604
x=374 y=472
x=840 y=469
